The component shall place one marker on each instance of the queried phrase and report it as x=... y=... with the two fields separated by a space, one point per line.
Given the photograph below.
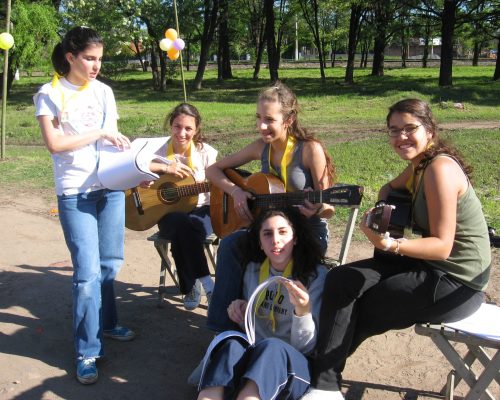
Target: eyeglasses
x=407 y=130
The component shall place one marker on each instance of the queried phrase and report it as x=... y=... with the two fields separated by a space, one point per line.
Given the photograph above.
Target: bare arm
x=444 y=183
x=314 y=160
x=55 y=142
x=215 y=174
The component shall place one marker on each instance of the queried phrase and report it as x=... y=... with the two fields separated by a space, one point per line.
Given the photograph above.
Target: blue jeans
x=229 y=275
x=93 y=225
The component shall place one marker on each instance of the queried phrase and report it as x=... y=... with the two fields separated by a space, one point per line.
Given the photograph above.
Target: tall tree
x=357 y=12
x=310 y=9
x=210 y=14
x=224 y=53
x=34 y=28
x=272 y=53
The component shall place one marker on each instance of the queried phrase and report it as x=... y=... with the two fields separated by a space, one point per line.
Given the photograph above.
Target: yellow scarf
x=171 y=155
x=263 y=275
x=285 y=160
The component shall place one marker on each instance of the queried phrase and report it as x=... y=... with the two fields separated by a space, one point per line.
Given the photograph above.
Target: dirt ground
x=36 y=350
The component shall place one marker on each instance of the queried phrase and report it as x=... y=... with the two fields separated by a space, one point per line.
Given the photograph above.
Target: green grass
x=349 y=119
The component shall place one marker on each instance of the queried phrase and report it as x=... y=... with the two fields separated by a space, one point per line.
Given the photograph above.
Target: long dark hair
x=75 y=41
x=421 y=110
x=306 y=251
x=185 y=109
x=282 y=94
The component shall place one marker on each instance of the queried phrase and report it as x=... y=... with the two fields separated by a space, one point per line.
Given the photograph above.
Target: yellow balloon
x=6 y=41
x=171 y=34
x=173 y=54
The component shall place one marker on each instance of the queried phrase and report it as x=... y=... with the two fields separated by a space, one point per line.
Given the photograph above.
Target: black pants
x=372 y=296
x=187 y=234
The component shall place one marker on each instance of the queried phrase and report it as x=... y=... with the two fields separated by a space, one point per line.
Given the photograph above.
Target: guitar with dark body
x=269 y=192
x=392 y=217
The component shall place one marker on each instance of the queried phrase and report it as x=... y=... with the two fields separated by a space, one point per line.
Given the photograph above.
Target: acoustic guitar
x=269 y=192
x=145 y=207
x=392 y=217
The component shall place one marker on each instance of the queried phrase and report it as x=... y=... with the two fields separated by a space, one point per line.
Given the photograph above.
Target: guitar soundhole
x=168 y=193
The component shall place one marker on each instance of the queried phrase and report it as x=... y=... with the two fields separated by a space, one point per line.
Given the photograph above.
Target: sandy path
x=36 y=354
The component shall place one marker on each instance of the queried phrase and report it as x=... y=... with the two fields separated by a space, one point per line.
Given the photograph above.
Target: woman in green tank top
x=439 y=277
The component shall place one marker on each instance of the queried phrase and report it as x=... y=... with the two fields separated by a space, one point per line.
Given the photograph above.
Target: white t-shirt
x=78 y=112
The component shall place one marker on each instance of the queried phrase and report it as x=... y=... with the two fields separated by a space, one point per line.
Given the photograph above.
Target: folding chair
x=346 y=239
x=443 y=336
x=167 y=264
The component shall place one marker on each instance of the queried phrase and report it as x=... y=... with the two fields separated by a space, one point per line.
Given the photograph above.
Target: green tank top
x=470 y=258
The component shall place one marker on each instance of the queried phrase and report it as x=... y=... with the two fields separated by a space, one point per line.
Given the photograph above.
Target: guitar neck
x=341 y=195
x=187 y=190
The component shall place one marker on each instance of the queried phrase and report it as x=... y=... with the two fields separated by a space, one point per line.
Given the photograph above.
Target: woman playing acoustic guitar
x=187 y=231
x=297 y=158
x=439 y=277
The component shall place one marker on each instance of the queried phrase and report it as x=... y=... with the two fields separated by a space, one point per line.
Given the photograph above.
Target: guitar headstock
x=343 y=195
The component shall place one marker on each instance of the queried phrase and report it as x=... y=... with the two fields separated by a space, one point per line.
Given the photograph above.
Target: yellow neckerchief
x=285 y=160
x=263 y=275
x=56 y=84
x=171 y=155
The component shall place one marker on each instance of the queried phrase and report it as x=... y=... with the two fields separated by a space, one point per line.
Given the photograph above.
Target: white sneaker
x=193 y=298
x=316 y=394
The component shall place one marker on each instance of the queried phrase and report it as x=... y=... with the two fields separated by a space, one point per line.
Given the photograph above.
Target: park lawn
x=349 y=119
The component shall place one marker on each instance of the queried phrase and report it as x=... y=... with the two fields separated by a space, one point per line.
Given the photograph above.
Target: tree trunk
x=447 y=28
x=224 y=49
x=154 y=68
x=258 y=59
x=404 y=49
x=333 y=54
x=354 y=22
x=272 y=55
x=210 y=22
x=475 y=54
x=163 y=71
x=378 y=54
x=425 y=56
x=188 y=54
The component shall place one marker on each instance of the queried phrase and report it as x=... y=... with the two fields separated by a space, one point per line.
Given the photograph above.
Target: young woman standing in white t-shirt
x=75 y=112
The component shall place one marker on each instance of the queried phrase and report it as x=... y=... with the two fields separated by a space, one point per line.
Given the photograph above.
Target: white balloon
x=165 y=44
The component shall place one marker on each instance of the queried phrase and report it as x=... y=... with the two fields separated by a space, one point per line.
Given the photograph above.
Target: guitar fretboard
x=341 y=195
x=185 y=191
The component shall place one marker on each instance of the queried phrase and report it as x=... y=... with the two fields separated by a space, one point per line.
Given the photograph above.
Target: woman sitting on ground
x=279 y=244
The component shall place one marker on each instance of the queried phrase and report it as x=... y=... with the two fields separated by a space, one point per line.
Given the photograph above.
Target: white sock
x=207 y=282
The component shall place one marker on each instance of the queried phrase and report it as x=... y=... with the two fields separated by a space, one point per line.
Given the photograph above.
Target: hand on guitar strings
x=177 y=169
x=378 y=240
x=240 y=201
x=309 y=209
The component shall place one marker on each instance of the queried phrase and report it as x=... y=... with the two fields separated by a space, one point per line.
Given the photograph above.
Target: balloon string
x=180 y=53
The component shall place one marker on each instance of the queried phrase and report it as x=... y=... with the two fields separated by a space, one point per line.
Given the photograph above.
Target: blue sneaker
x=86 y=371
x=120 y=333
